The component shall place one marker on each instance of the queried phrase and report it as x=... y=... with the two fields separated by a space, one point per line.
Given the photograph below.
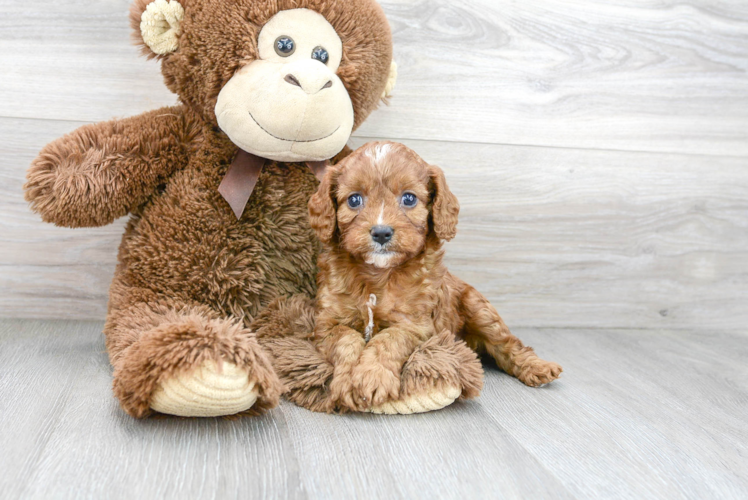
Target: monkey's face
x=287 y=80
x=289 y=104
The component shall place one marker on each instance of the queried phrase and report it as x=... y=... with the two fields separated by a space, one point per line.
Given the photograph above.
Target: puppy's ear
x=323 y=207
x=444 y=205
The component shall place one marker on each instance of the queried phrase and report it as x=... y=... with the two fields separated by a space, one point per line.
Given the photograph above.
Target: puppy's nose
x=382 y=234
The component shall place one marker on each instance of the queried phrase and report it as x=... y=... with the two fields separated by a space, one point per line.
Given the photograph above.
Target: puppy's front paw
x=373 y=384
x=537 y=372
x=341 y=391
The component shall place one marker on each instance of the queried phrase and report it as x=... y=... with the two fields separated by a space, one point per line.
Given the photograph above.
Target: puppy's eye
x=355 y=200
x=284 y=46
x=409 y=200
x=321 y=55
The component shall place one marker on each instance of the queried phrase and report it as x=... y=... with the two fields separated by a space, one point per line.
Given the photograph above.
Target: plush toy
x=217 y=187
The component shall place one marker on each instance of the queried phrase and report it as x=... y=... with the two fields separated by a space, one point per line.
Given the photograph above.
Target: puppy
x=382 y=215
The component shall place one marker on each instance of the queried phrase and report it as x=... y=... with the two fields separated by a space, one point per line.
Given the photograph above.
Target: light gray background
x=599 y=150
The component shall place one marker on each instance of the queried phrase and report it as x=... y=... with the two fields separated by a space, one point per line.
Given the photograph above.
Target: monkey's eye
x=284 y=46
x=409 y=200
x=321 y=55
x=355 y=200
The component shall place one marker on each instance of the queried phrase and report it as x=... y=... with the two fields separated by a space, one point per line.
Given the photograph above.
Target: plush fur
x=420 y=306
x=191 y=277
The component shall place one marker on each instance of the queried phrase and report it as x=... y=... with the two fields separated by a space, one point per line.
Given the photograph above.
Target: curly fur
x=417 y=298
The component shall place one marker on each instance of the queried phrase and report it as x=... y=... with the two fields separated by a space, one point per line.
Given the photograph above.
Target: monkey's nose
x=293 y=80
x=382 y=234
x=308 y=86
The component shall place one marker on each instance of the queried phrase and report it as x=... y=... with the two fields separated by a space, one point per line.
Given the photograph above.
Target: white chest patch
x=379 y=259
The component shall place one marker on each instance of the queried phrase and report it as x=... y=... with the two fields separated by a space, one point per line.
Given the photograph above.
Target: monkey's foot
x=420 y=403
x=439 y=372
x=191 y=363
x=209 y=390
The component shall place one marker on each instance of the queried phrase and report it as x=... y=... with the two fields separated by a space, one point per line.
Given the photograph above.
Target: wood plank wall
x=599 y=150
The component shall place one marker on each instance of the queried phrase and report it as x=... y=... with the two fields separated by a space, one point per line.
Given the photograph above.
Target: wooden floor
x=635 y=415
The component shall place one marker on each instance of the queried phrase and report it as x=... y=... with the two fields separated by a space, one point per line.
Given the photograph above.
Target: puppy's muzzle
x=382 y=234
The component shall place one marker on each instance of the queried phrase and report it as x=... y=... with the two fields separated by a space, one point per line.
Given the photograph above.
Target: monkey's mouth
x=290 y=140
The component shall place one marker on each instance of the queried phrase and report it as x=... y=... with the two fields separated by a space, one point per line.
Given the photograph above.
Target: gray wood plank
x=63 y=61
x=72 y=268
x=455 y=453
x=554 y=236
x=655 y=76
x=647 y=76
x=636 y=414
x=63 y=434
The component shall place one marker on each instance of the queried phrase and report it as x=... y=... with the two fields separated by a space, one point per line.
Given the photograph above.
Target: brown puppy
x=382 y=215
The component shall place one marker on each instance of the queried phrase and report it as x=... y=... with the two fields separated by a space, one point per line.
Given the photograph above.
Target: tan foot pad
x=420 y=403
x=204 y=392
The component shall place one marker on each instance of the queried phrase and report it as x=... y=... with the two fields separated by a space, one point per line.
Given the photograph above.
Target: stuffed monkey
x=216 y=187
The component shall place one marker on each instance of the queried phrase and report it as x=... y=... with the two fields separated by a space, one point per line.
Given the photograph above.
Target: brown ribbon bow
x=241 y=179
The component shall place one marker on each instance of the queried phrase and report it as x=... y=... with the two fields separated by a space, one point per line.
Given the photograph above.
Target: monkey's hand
x=102 y=171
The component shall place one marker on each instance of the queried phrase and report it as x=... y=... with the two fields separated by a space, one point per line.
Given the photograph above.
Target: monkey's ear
x=323 y=206
x=157 y=25
x=444 y=205
x=391 y=81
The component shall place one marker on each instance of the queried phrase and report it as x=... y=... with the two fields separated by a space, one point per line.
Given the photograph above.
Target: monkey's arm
x=100 y=172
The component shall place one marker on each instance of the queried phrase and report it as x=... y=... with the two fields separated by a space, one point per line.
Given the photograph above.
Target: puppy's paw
x=373 y=384
x=537 y=372
x=341 y=391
